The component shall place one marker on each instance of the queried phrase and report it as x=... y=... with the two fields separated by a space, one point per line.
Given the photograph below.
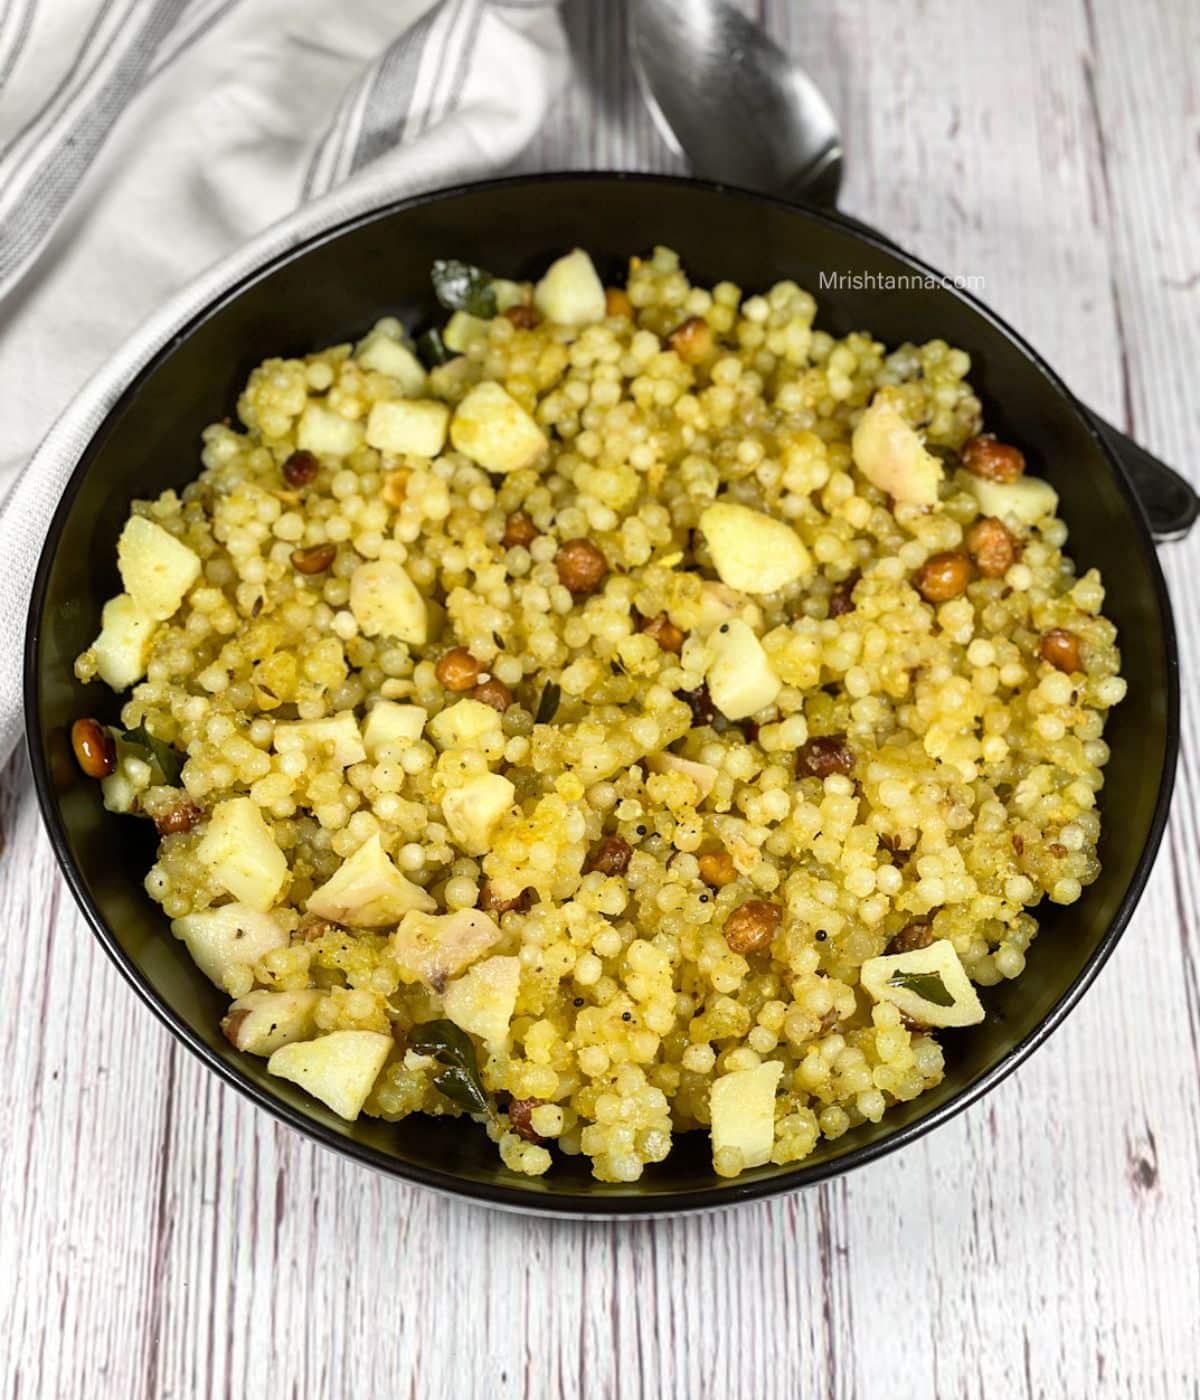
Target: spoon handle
x=1169 y=502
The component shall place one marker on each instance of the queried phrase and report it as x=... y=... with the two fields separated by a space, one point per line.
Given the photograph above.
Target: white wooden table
x=158 y=1236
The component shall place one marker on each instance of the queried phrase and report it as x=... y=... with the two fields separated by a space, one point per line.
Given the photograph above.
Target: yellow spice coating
x=976 y=762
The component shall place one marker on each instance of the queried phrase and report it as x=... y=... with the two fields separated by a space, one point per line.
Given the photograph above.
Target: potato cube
x=122 y=789
x=336 y=737
x=232 y=936
x=463 y=724
x=156 y=568
x=462 y=329
x=742 y=1109
x=571 y=292
x=416 y=427
x=474 y=810
x=122 y=650
x=492 y=428
x=384 y=354
x=392 y=725
x=751 y=551
x=451 y=381
x=719 y=603
x=1027 y=500
x=704 y=775
x=510 y=293
x=340 y=1069
x=929 y=984
x=741 y=680
x=328 y=434
x=261 y=1022
x=890 y=454
x=482 y=1001
x=367 y=891
x=241 y=853
x=432 y=948
x=385 y=602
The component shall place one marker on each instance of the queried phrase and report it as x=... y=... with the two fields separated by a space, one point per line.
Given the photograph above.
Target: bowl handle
x=1169 y=503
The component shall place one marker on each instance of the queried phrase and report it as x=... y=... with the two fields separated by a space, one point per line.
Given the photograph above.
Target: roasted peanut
x=300 y=468
x=943 y=576
x=841 y=601
x=752 y=926
x=95 y=749
x=314 y=560
x=520 y=1116
x=457 y=669
x=610 y=856
x=490 y=901
x=997 y=461
x=581 y=567
x=525 y=318
x=717 y=868
x=1061 y=649
x=820 y=758
x=692 y=341
x=992 y=546
x=664 y=632
x=518 y=530
x=179 y=818
x=494 y=693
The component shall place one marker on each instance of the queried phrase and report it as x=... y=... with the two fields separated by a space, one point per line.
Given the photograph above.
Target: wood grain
x=158 y=1237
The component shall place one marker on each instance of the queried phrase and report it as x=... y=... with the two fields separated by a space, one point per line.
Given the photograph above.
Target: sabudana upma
x=626 y=711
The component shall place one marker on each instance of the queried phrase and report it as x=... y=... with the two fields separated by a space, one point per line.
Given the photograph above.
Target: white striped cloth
x=140 y=140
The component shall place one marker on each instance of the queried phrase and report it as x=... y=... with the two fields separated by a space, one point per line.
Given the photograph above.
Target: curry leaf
x=461 y=287
x=548 y=704
x=450 y=1046
x=154 y=752
x=433 y=349
x=927 y=985
x=461 y=1088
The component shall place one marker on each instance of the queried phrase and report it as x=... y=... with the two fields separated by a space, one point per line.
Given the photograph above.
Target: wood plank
x=158 y=1236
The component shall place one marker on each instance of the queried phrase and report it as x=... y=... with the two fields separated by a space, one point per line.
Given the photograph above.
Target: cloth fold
x=142 y=139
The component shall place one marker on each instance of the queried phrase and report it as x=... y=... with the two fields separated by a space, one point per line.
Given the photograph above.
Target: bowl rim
x=589 y=1203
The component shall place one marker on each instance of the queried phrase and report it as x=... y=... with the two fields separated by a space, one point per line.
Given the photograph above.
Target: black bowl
x=332 y=288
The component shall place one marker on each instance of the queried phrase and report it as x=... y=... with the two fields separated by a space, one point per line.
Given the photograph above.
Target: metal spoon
x=724 y=94
x=727 y=97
